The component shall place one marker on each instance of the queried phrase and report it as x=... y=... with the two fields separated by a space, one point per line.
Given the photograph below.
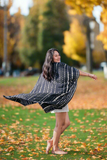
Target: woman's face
x=56 y=57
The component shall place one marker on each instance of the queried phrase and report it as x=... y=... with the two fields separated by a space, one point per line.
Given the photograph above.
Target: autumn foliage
x=74 y=42
x=86 y=7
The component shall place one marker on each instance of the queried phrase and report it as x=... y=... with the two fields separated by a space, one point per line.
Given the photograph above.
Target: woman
x=53 y=90
x=62 y=118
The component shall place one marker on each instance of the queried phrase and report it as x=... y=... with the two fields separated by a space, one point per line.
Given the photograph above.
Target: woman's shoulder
x=64 y=65
x=59 y=64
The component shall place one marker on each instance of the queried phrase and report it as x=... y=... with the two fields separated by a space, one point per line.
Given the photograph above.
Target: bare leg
x=49 y=145
x=60 y=121
x=65 y=125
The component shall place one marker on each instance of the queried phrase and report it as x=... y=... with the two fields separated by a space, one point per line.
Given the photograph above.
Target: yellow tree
x=74 y=39
x=103 y=35
x=86 y=7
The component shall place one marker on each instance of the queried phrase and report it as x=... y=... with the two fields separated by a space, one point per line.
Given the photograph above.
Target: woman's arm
x=87 y=75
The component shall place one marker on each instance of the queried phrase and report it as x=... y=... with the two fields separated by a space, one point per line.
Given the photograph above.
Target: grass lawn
x=24 y=132
x=15 y=81
x=10 y=81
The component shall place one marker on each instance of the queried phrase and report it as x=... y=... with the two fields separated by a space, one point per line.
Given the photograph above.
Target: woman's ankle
x=55 y=148
x=50 y=141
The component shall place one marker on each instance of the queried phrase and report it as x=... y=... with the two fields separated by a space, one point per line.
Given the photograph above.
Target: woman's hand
x=92 y=76
x=87 y=74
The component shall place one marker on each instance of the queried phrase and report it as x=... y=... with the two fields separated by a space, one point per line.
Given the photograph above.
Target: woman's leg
x=60 y=120
x=64 y=126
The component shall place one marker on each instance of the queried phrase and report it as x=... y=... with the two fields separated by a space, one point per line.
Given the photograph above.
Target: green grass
x=10 y=81
x=13 y=81
x=24 y=133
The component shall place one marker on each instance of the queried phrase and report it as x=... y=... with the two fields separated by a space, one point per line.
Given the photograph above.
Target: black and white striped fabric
x=54 y=94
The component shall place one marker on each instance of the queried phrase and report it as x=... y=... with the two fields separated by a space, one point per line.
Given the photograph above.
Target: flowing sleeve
x=76 y=73
x=73 y=73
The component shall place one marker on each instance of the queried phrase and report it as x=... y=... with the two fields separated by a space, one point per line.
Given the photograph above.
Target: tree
x=86 y=7
x=14 y=23
x=55 y=23
x=1 y=34
x=74 y=39
x=30 y=45
x=103 y=35
x=5 y=39
x=15 y=26
x=43 y=30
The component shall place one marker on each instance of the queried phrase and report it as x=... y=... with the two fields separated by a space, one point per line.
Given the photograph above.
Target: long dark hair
x=47 y=66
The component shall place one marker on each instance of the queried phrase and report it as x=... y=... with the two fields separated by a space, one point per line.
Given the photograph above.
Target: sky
x=25 y=4
x=96 y=13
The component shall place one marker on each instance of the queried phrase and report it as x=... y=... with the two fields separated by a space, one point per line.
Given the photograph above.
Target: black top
x=54 y=94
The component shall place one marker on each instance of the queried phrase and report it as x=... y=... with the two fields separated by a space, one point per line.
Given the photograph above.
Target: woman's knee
x=68 y=123
x=58 y=127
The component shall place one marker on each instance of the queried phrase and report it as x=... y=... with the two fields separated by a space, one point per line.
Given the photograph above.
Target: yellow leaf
x=73 y=136
x=10 y=149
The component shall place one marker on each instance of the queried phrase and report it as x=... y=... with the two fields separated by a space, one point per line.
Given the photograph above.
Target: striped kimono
x=54 y=94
